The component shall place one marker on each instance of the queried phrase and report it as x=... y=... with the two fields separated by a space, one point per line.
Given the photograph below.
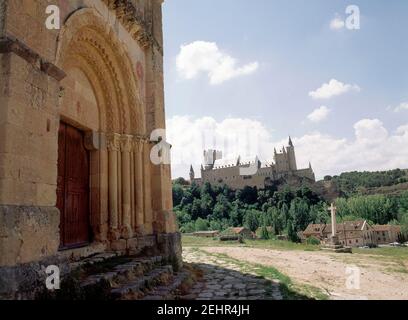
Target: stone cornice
x=134 y=23
x=10 y=44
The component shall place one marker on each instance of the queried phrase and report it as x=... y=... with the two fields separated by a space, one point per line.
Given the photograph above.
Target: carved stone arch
x=87 y=59
x=86 y=34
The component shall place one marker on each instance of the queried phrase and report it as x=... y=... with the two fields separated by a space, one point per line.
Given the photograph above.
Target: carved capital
x=113 y=141
x=136 y=145
x=126 y=143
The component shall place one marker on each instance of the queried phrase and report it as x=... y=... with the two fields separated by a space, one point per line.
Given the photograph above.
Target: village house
x=245 y=233
x=349 y=233
x=386 y=234
x=355 y=233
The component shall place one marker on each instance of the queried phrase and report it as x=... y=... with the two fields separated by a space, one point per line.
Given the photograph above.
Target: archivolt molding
x=85 y=34
x=134 y=23
x=104 y=90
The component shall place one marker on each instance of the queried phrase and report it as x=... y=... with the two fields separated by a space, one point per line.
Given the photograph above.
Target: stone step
x=168 y=292
x=92 y=260
x=120 y=274
x=137 y=288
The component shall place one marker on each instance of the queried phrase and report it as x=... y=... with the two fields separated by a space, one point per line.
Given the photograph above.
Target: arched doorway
x=102 y=100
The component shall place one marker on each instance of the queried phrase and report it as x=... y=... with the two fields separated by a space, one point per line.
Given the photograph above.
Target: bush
x=201 y=225
x=313 y=241
x=264 y=233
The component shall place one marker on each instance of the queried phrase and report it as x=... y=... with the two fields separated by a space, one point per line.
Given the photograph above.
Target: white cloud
x=333 y=88
x=337 y=24
x=205 y=57
x=319 y=114
x=371 y=148
x=401 y=107
x=370 y=131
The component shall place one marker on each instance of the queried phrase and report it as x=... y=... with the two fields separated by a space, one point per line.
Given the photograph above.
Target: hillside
x=392 y=182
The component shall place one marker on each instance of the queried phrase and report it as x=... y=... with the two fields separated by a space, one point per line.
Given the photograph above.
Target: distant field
x=191 y=241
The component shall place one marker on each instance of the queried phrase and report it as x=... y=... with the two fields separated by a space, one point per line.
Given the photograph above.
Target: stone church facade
x=77 y=108
x=239 y=173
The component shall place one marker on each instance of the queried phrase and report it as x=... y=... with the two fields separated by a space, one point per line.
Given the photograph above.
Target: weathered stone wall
x=27 y=233
x=28 y=128
x=3 y=9
x=103 y=73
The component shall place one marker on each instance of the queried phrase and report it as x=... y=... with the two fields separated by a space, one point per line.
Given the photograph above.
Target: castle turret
x=192 y=174
x=290 y=142
x=291 y=156
x=210 y=156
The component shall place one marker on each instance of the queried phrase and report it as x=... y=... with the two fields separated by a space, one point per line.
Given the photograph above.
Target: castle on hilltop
x=239 y=173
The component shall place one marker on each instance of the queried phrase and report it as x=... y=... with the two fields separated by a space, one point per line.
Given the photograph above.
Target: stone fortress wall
x=233 y=173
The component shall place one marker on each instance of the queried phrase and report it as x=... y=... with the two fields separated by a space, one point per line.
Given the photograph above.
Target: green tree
x=222 y=208
x=299 y=213
x=277 y=220
x=264 y=233
x=178 y=194
x=251 y=220
x=201 y=225
x=292 y=234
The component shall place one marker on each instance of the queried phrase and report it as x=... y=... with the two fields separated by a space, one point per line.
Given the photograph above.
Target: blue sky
x=296 y=52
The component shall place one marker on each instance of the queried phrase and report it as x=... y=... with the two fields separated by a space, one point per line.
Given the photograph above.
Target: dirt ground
x=328 y=271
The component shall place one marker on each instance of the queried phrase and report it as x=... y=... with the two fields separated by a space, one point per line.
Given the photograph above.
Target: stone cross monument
x=334 y=244
x=333 y=238
x=333 y=219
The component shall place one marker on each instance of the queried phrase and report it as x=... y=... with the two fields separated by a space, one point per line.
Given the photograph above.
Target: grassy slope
x=190 y=241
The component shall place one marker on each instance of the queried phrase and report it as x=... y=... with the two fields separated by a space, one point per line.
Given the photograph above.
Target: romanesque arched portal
x=99 y=78
x=114 y=118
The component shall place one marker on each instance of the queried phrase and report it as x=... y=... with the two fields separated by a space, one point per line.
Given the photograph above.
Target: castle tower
x=210 y=156
x=290 y=150
x=192 y=174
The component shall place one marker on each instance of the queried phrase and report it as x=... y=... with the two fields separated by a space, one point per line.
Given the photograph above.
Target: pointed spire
x=283 y=149
x=310 y=165
x=239 y=161
x=290 y=142
x=274 y=150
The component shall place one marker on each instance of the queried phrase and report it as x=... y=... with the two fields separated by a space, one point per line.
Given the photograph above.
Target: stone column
x=139 y=185
x=113 y=144
x=132 y=187
x=104 y=192
x=147 y=187
x=333 y=220
x=126 y=148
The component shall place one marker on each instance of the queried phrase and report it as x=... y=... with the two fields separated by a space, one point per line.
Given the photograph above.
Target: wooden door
x=73 y=187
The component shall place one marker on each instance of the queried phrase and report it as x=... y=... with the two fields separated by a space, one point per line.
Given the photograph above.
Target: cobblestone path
x=226 y=279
